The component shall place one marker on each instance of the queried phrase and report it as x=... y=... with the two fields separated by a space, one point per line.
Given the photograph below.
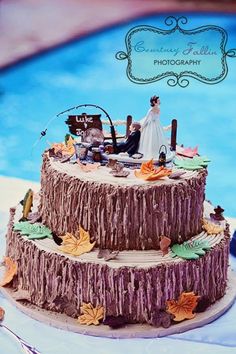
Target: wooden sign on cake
x=78 y=124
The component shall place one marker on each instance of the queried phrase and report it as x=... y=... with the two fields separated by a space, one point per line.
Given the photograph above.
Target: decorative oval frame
x=180 y=79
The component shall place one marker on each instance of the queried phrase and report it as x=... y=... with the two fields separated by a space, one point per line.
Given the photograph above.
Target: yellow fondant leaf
x=183 y=308
x=11 y=270
x=211 y=229
x=78 y=244
x=91 y=315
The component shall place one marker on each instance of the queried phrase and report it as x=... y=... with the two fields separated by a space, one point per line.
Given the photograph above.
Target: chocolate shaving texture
x=121 y=217
x=133 y=292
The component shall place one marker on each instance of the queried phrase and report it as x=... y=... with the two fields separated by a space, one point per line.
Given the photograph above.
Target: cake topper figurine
x=130 y=145
x=152 y=133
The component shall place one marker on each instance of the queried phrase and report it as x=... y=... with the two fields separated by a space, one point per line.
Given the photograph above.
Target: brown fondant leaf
x=91 y=315
x=164 y=244
x=148 y=172
x=89 y=167
x=183 y=308
x=78 y=244
x=122 y=173
x=2 y=313
x=107 y=254
x=11 y=270
x=211 y=229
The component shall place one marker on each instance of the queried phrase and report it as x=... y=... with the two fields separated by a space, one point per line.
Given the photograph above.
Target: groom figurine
x=130 y=145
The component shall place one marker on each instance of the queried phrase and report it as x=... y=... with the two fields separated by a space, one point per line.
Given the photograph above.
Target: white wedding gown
x=152 y=137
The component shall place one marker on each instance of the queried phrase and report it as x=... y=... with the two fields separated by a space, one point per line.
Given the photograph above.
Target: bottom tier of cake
x=136 y=284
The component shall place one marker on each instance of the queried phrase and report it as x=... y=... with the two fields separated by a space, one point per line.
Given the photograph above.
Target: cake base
x=65 y=322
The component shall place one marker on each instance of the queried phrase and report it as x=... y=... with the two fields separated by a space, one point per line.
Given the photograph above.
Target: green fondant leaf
x=196 y=163
x=190 y=250
x=33 y=231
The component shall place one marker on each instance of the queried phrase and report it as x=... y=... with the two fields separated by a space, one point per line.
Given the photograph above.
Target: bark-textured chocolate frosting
x=120 y=214
x=135 y=292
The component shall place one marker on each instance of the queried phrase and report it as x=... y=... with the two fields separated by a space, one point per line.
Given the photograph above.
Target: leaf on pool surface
x=10 y=272
x=164 y=244
x=148 y=172
x=88 y=167
x=190 y=249
x=76 y=244
x=211 y=228
x=183 y=308
x=91 y=315
x=33 y=231
x=196 y=163
x=2 y=313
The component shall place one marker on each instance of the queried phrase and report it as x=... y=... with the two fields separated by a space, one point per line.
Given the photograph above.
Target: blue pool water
x=86 y=71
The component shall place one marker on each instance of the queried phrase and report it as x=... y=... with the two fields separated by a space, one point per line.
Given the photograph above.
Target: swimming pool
x=86 y=71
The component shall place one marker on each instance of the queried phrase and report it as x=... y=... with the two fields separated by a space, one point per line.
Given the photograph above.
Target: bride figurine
x=152 y=133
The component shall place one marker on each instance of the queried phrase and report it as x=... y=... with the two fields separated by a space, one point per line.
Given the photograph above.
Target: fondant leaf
x=148 y=172
x=183 y=308
x=33 y=231
x=211 y=229
x=190 y=250
x=164 y=244
x=65 y=149
x=2 y=313
x=78 y=244
x=88 y=167
x=188 y=152
x=11 y=270
x=196 y=163
x=91 y=315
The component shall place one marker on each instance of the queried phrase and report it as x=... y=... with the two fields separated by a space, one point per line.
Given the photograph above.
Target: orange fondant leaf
x=2 y=313
x=91 y=315
x=148 y=172
x=66 y=149
x=211 y=229
x=11 y=270
x=164 y=244
x=78 y=244
x=183 y=308
x=89 y=167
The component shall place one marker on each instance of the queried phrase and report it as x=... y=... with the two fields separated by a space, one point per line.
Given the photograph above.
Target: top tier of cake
x=121 y=213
